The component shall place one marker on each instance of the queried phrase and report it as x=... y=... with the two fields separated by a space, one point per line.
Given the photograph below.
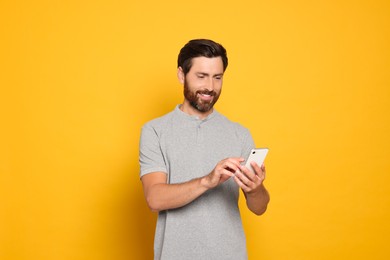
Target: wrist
x=205 y=182
x=259 y=191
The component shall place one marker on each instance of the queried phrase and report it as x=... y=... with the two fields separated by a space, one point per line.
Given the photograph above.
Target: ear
x=180 y=75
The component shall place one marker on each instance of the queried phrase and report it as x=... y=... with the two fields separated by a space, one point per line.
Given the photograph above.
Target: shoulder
x=237 y=133
x=226 y=122
x=159 y=122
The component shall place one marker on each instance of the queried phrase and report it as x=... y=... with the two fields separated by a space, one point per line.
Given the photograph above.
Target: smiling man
x=191 y=168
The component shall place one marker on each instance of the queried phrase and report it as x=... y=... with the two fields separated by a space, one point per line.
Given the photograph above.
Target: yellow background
x=78 y=79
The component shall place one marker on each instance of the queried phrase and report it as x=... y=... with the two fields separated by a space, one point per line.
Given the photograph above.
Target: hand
x=223 y=171
x=250 y=182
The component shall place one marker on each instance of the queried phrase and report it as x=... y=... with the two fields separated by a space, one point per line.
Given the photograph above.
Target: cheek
x=218 y=86
x=193 y=81
x=197 y=84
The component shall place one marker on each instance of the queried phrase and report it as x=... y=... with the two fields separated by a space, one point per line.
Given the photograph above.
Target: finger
x=231 y=166
x=241 y=184
x=260 y=173
x=236 y=160
x=244 y=179
x=263 y=168
x=248 y=173
x=227 y=172
x=258 y=170
x=239 y=159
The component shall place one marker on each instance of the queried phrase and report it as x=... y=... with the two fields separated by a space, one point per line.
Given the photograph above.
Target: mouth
x=206 y=96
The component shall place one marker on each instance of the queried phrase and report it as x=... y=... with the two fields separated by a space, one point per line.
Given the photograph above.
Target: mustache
x=207 y=92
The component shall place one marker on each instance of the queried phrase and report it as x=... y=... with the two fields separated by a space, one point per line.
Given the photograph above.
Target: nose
x=210 y=84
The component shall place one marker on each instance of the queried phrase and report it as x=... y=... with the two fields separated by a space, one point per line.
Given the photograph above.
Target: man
x=191 y=168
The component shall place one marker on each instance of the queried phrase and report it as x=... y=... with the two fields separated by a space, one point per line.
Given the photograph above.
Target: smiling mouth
x=206 y=96
x=206 y=93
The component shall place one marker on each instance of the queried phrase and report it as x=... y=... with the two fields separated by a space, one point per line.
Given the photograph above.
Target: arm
x=257 y=197
x=162 y=196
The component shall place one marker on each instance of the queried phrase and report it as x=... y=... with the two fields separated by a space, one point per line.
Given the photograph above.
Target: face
x=202 y=84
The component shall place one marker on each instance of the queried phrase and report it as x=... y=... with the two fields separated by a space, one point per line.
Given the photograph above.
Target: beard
x=196 y=102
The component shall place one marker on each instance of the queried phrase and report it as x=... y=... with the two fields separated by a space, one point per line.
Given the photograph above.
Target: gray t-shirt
x=185 y=147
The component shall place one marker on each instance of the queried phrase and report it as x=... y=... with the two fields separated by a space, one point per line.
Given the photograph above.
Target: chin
x=204 y=108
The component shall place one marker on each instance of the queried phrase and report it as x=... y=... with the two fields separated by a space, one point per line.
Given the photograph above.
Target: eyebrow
x=206 y=74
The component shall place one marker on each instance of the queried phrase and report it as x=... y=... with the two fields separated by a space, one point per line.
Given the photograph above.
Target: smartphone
x=258 y=156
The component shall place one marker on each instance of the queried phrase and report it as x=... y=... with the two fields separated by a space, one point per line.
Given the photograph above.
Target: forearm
x=162 y=196
x=257 y=202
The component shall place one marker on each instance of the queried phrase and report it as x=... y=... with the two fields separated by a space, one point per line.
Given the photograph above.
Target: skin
x=205 y=77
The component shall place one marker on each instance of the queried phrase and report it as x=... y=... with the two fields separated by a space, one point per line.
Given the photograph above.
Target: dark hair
x=200 y=48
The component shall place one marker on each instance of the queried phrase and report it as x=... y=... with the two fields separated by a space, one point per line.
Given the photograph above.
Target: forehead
x=207 y=65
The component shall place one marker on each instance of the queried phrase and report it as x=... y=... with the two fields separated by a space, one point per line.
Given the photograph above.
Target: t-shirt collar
x=194 y=117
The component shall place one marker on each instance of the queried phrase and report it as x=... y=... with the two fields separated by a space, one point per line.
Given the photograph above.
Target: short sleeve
x=151 y=158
